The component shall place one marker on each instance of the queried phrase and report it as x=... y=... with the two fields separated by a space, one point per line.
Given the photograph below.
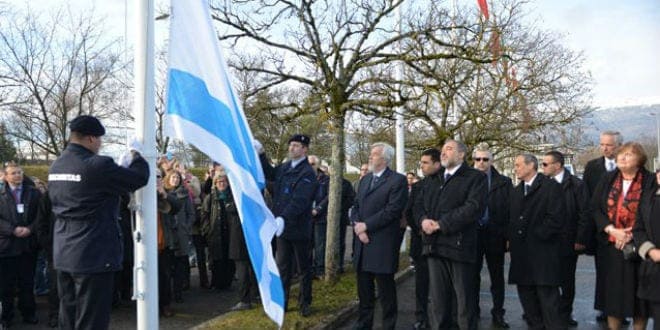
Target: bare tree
x=529 y=94
x=340 y=53
x=52 y=69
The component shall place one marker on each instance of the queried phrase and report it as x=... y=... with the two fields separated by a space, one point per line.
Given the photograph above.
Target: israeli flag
x=203 y=110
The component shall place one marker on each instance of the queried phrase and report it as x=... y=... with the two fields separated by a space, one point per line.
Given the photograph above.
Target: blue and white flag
x=203 y=110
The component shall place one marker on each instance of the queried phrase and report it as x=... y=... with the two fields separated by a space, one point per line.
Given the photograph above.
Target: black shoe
x=178 y=300
x=571 y=323
x=420 y=325
x=30 y=319
x=601 y=317
x=498 y=322
x=626 y=322
x=305 y=311
x=53 y=322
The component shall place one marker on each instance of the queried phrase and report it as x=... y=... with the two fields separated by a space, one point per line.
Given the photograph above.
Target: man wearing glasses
x=574 y=235
x=491 y=232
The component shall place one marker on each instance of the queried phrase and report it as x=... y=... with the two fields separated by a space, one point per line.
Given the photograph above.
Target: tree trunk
x=334 y=200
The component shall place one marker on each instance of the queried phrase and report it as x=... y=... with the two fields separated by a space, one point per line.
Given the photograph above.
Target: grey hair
x=529 y=158
x=388 y=151
x=460 y=146
x=618 y=138
x=482 y=147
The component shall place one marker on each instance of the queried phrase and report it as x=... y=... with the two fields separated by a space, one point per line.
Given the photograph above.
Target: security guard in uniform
x=85 y=189
x=294 y=185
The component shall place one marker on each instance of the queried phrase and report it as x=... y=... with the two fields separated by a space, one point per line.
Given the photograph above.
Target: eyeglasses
x=479 y=159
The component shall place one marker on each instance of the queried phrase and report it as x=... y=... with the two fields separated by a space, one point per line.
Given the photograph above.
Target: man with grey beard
x=447 y=210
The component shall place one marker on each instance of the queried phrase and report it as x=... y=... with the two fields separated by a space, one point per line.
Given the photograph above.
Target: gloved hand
x=126 y=159
x=135 y=145
x=258 y=146
x=279 y=222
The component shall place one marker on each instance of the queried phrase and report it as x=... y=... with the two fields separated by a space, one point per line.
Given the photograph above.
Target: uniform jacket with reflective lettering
x=84 y=189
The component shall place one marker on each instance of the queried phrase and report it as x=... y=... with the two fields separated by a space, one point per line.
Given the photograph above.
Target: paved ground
x=201 y=305
x=583 y=306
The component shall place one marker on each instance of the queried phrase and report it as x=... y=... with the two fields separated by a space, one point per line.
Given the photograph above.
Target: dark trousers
x=421 y=288
x=386 y=295
x=449 y=279
x=165 y=258
x=247 y=283
x=85 y=300
x=179 y=275
x=600 y=259
x=17 y=274
x=320 y=230
x=342 y=246
x=654 y=310
x=292 y=253
x=567 y=287
x=53 y=296
x=200 y=250
x=541 y=306
x=222 y=273
x=492 y=248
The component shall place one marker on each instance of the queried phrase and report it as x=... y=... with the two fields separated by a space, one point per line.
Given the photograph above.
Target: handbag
x=630 y=252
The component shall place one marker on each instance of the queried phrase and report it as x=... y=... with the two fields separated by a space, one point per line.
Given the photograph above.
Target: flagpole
x=145 y=270
x=400 y=131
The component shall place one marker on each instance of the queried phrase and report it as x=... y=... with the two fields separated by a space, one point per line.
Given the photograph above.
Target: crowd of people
x=79 y=226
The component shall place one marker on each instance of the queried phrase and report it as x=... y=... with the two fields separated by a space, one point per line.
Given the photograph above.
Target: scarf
x=621 y=210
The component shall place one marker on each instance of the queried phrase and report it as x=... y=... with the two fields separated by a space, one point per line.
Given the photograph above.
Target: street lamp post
x=656 y=163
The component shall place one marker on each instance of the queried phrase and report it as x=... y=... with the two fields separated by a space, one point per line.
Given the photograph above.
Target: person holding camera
x=615 y=204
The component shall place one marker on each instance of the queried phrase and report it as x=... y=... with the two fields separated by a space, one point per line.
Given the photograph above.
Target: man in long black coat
x=379 y=204
x=447 y=211
x=491 y=232
x=430 y=166
x=536 y=224
x=574 y=235
x=593 y=173
x=294 y=185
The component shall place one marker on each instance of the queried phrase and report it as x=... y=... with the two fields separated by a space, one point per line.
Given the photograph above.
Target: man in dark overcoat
x=447 y=211
x=491 y=232
x=574 y=235
x=294 y=185
x=536 y=224
x=593 y=173
x=379 y=204
x=430 y=166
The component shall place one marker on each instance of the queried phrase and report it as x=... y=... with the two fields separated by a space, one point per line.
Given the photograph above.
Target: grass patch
x=327 y=300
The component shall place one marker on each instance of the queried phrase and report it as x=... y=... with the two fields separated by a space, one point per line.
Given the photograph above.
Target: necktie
x=526 y=189
x=17 y=197
x=610 y=166
x=374 y=181
x=447 y=176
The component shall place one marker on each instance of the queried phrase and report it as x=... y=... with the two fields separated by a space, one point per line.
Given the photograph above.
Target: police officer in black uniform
x=85 y=189
x=294 y=185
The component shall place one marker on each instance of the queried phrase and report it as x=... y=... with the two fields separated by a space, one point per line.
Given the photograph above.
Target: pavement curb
x=332 y=322
x=352 y=309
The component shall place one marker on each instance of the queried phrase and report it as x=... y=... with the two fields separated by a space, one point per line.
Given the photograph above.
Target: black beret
x=87 y=125
x=303 y=139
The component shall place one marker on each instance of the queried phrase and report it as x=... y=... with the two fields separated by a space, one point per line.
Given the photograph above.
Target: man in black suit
x=593 y=172
x=574 y=235
x=447 y=210
x=536 y=224
x=294 y=185
x=430 y=166
x=491 y=232
x=379 y=204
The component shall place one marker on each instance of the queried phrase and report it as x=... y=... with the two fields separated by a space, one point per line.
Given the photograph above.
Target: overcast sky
x=620 y=39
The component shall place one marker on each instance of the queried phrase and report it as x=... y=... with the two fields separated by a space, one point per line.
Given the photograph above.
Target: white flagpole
x=399 y=126
x=146 y=235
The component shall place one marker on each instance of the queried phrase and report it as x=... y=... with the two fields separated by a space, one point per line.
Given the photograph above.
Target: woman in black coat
x=646 y=234
x=615 y=203
x=216 y=210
